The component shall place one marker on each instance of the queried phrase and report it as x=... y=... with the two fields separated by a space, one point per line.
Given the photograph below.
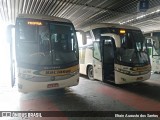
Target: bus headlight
x=25 y=76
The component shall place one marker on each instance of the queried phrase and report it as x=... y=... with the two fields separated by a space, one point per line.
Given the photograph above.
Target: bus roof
x=44 y=17
x=103 y=25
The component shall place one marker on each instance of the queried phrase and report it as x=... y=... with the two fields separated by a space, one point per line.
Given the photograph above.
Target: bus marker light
x=122 y=31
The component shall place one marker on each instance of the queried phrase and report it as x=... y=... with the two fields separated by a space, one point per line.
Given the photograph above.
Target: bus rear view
x=46 y=53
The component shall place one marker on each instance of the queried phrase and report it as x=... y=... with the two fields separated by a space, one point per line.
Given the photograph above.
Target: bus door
x=97 y=61
x=108 y=47
x=10 y=39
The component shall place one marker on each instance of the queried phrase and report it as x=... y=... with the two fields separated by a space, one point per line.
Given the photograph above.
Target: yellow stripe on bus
x=139 y=69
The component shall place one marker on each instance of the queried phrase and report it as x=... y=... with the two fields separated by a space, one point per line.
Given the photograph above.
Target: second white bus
x=114 y=53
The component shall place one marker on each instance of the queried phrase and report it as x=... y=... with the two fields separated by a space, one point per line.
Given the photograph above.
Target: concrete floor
x=87 y=96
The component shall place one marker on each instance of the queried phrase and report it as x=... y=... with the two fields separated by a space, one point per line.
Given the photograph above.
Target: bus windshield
x=46 y=42
x=132 y=50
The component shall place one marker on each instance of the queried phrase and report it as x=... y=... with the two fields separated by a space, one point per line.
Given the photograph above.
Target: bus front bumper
x=26 y=86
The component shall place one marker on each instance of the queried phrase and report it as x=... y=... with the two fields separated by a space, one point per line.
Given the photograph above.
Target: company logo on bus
x=139 y=69
x=59 y=72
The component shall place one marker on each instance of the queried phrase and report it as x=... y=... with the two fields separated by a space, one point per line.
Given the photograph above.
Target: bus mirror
x=156 y=43
x=9 y=33
x=81 y=36
x=84 y=40
x=153 y=41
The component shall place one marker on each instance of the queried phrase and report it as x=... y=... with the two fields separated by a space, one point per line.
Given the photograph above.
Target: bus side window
x=96 y=50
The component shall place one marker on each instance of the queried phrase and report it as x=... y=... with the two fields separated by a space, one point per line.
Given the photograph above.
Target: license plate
x=52 y=85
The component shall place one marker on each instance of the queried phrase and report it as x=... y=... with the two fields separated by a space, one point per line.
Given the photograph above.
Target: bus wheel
x=90 y=72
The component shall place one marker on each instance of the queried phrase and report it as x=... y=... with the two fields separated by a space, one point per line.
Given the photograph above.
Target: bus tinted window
x=46 y=43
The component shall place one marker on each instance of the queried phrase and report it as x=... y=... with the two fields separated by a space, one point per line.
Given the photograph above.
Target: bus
x=113 y=52
x=46 y=53
x=153 y=41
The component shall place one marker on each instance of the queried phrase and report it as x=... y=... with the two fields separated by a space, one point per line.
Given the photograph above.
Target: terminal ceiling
x=86 y=12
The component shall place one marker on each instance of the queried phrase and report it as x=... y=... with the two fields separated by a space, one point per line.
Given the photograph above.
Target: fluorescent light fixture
x=140 y=17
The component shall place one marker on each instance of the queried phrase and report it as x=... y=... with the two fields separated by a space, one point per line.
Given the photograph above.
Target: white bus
x=46 y=52
x=114 y=53
x=153 y=41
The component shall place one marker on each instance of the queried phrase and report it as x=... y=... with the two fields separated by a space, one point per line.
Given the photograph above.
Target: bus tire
x=90 y=72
